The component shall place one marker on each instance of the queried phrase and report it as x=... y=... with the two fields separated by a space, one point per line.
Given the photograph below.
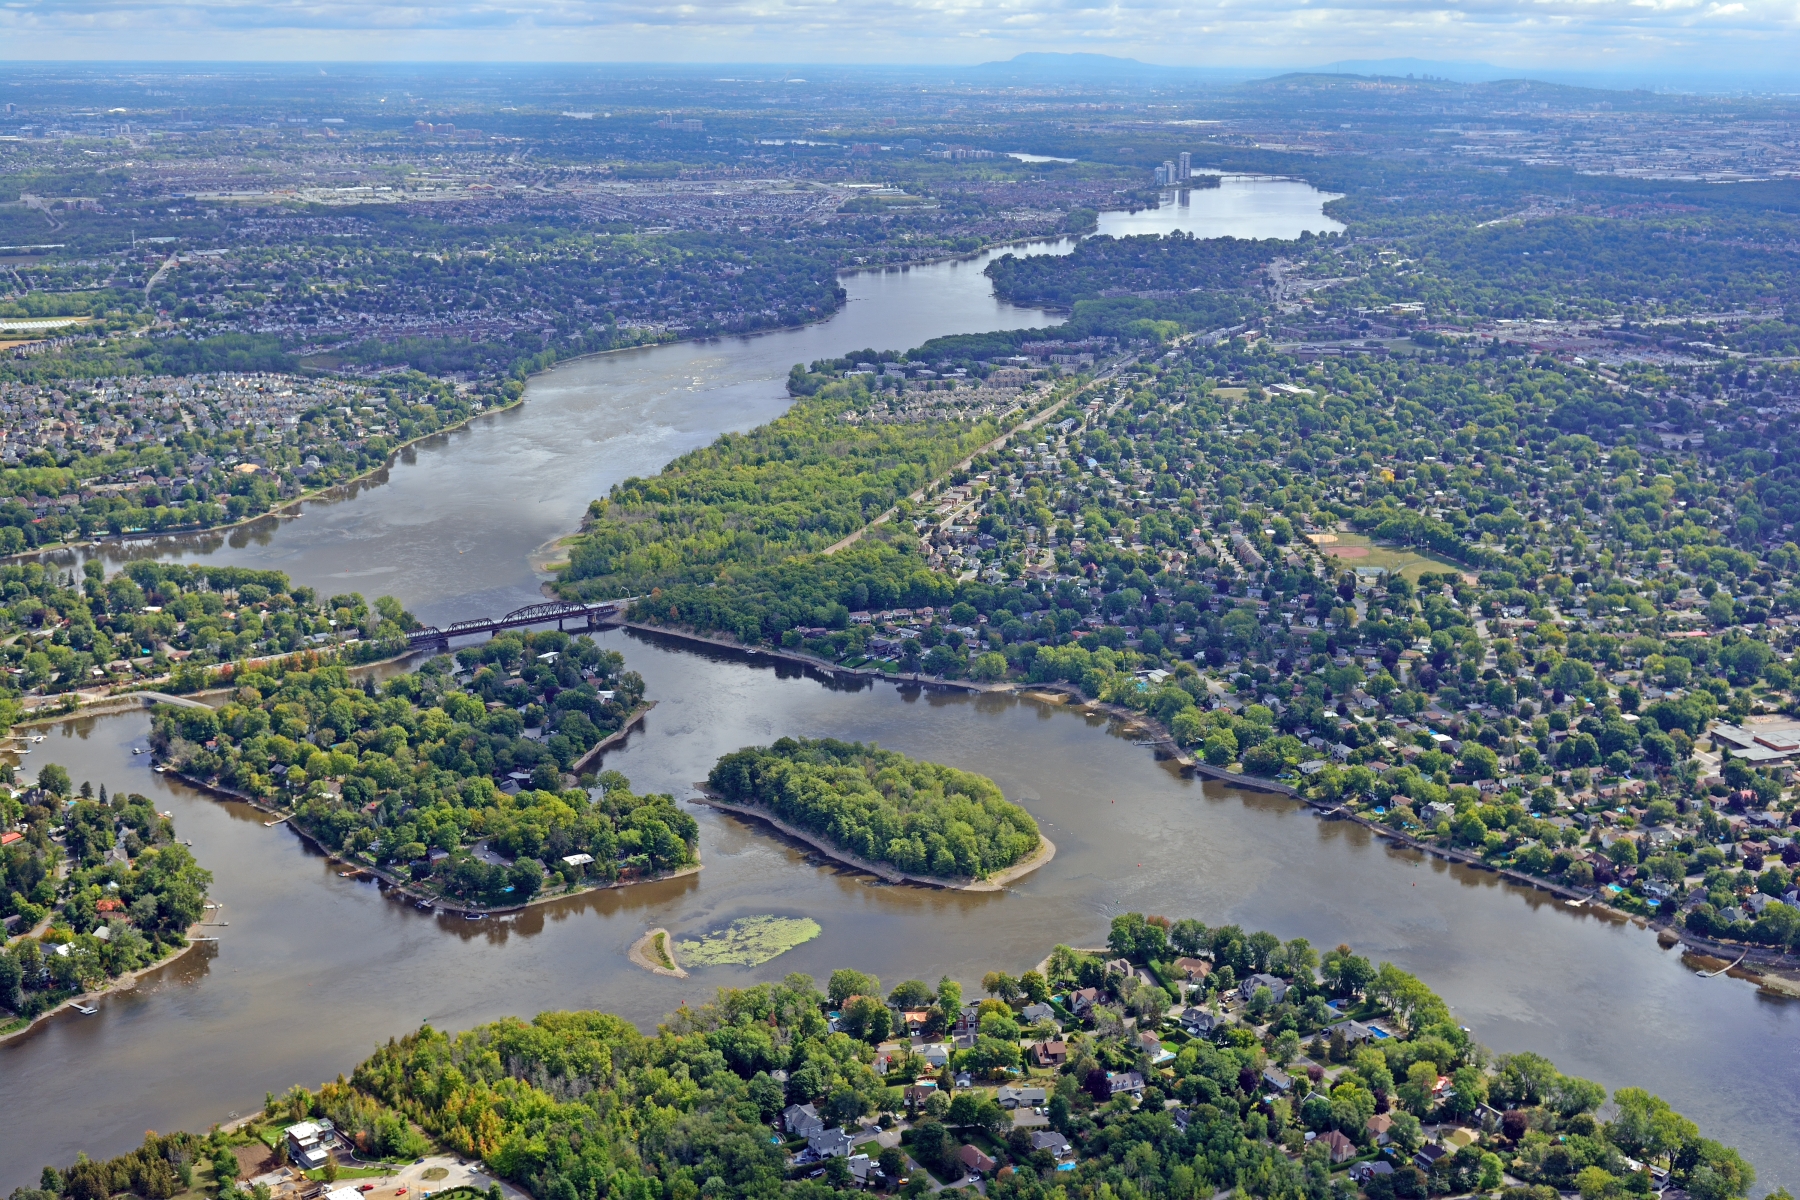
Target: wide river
x=311 y=971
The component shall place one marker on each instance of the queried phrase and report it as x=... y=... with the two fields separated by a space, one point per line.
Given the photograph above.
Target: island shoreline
x=404 y=888
x=643 y=954
x=994 y=883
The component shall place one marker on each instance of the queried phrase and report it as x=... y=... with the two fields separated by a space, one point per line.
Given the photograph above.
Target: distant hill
x=1046 y=67
x=1419 y=68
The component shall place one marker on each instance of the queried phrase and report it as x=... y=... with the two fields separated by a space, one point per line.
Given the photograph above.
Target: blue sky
x=1587 y=35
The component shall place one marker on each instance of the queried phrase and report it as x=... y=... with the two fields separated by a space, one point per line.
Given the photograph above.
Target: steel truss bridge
x=589 y=616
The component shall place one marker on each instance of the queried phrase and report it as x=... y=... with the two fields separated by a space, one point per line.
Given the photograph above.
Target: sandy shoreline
x=997 y=882
x=643 y=953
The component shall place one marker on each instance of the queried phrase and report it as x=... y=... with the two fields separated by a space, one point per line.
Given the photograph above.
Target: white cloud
x=1547 y=33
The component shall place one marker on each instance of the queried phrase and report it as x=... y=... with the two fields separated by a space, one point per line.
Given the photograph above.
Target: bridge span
x=588 y=616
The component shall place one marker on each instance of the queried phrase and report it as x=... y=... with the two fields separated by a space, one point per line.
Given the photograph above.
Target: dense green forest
x=1200 y=276
x=924 y=818
x=795 y=485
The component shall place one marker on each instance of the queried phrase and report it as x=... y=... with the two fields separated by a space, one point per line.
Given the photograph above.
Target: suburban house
x=1428 y=1155
x=1353 y=1032
x=1082 y=1001
x=865 y=1171
x=1054 y=1142
x=918 y=1093
x=974 y=1161
x=1377 y=1127
x=1193 y=969
x=935 y=1053
x=308 y=1144
x=1020 y=1097
x=1201 y=1023
x=801 y=1120
x=1361 y=1173
x=1276 y=1078
x=829 y=1143
x=1153 y=1048
x=1050 y=1054
x=1033 y=1013
x=1122 y=1083
x=1342 y=1148
x=1276 y=985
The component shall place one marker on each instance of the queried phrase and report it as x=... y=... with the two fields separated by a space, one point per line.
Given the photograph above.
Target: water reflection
x=1242 y=206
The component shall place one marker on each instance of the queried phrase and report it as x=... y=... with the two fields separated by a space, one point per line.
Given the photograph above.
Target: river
x=311 y=971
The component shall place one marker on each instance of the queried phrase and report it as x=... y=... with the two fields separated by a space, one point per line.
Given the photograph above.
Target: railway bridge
x=564 y=612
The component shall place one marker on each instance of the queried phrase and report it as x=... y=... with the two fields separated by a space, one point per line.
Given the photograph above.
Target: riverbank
x=655 y=952
x=287 y=508
x=997 y=882
x=123 y=983
x=1158 y=738
x=612 y=739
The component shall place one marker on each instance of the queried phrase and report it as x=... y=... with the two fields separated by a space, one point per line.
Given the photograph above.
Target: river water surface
x=311 y=971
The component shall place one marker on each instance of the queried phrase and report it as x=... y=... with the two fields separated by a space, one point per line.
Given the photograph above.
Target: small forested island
x=457 y=780
x=1180 y=1064
x=921 y=818
x=92 y=887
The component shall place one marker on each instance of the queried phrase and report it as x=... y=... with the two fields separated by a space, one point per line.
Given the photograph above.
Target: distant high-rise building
x=1168 y=170
x=1184 y=169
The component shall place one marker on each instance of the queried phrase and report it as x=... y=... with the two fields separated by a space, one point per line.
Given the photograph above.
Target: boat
x=83 y=1009
x=473 y=916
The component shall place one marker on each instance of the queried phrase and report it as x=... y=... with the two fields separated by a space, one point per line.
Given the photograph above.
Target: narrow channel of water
x=314 y=970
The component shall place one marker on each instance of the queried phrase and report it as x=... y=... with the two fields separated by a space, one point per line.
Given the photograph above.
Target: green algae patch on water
x=748 y=941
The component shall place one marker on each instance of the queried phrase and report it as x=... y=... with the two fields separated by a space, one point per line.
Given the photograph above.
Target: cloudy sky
x=1753 y=35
